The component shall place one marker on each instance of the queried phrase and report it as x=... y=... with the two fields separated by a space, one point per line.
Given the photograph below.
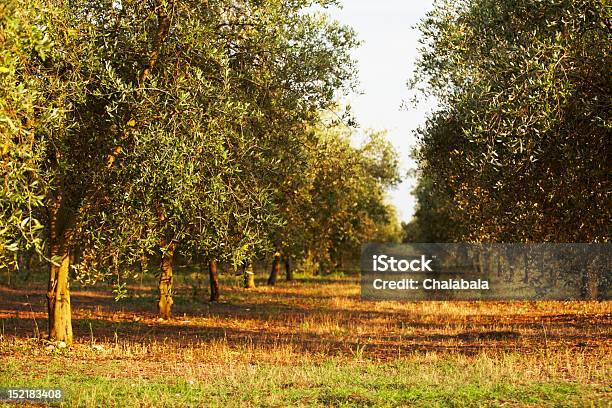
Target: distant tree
x=276 y=268
x=338 y=201
x=433 y=218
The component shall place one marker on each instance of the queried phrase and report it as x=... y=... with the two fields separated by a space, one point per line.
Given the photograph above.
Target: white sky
x=385 y=62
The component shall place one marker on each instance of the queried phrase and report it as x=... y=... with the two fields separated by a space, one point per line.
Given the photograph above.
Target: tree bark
x=214 y=280
x=590 y=279
x=288 y=270
x=526 y=269
x=58 y=289
x=164 y=307
x=275 y=270
x=486 y=262
x=476 y=262
x=249 y=276
x=58 y=298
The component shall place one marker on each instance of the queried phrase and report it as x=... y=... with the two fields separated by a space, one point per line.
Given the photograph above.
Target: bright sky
x=385 y=61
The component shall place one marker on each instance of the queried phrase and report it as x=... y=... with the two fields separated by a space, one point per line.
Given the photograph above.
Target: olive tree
x=170 y=109
x=338 y=201
x=520 y=141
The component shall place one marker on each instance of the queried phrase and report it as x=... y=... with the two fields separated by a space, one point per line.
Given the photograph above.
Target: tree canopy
x=520 y=144
x=136 y=128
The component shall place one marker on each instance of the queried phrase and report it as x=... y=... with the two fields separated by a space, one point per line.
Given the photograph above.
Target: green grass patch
x=446 y=382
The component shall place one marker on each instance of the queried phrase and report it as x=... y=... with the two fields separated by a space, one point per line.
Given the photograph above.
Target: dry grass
x=311 y=323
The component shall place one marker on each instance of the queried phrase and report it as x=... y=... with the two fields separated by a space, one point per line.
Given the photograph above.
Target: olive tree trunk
x=590 y=279
x=214 y=280
x=58 y=289
x=249 y=276
x=288 y=270
x=58 y=297
x=276 y=266
x=526 y=269
x=164 y=307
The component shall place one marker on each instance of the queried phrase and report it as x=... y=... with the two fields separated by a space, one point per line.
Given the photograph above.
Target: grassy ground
x=311 y=342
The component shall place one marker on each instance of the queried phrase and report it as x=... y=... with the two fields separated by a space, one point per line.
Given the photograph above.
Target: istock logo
x=385 y=263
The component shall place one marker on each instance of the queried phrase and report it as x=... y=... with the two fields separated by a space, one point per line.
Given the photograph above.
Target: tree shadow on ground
x=282 y=321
